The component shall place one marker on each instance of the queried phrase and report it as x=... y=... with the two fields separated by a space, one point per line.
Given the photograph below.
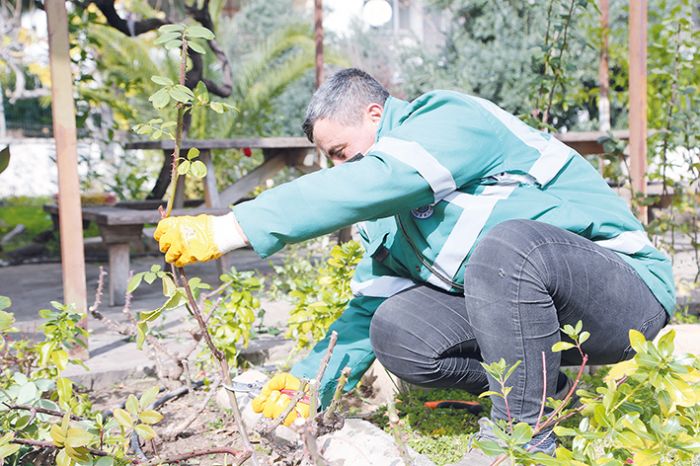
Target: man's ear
x=375 y=112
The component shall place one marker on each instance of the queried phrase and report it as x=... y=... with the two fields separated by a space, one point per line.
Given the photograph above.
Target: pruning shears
x=474 y=407
x=253 y=389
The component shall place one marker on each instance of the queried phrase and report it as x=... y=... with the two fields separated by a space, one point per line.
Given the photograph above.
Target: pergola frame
x=64 y=127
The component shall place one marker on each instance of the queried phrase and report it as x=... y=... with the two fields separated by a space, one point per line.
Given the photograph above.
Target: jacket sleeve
x=441 y=144
x=371 y=287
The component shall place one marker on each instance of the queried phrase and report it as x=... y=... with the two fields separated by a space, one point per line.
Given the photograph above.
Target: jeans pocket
x=650 y=328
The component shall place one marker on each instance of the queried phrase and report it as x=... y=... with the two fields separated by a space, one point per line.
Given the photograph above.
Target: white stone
x=360 y=443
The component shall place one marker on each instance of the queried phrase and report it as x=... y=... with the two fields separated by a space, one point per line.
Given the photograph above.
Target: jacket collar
x=394 y=109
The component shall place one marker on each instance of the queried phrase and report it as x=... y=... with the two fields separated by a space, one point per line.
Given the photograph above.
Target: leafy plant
x=646 y=413
x=316 y=309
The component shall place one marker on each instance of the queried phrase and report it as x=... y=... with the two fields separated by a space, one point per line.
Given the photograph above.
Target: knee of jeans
x=397 y=349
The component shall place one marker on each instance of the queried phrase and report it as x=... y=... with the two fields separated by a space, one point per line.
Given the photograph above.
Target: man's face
x=342 y=142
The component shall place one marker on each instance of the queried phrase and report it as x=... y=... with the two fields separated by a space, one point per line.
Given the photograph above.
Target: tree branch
x=129 y=28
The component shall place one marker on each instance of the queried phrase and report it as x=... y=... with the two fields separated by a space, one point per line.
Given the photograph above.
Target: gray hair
x=342 y=98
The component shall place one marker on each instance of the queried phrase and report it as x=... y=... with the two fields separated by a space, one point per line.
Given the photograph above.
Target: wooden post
x=318 y=36
x=603 y=76
x=63 y=113
x=638 y=99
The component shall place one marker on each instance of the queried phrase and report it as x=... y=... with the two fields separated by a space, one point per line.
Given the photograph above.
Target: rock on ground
x=361 y=443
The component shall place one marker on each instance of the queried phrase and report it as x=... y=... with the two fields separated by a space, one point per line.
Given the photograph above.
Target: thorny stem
x=178 y=131
x=179 y=274
x=223 y=364
x=557 y=73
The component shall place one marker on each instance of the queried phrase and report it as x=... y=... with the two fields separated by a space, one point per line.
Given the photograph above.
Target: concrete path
x=113 y=358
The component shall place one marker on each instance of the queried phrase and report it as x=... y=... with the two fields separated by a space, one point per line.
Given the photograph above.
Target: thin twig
x=396 y=431
x=172 y=433
x=342 y=380
x=316 y=384
x=239 y=456
x=37 y=409
x=41 y=444
x=544 y=390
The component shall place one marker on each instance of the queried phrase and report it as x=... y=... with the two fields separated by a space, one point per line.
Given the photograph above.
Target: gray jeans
x=524 y=281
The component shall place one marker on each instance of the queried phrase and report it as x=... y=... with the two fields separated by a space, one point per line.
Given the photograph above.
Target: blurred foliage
x=319 y=301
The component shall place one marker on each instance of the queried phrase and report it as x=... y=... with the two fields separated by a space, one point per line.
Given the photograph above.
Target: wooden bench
x=120 y=227
x=123 y=223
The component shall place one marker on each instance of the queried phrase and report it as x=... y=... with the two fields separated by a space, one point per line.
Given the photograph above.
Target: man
x=483 y=237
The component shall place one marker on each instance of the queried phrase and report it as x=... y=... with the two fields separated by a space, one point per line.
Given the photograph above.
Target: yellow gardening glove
x=187 y=239
x=276 y=395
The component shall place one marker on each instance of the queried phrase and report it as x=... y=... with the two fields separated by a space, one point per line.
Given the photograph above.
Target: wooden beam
x=63 y=113
x=318 y=39
x=638 y=98
x=238 y=143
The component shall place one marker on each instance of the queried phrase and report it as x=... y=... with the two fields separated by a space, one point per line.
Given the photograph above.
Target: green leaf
x=579 y=327
x=62 y=458
x=76 y=437
x=198 y=169
x=638 y=341
x=522 y=433
x=162 y=80
x=167 y=37
x=141 y=329
x=562 y=346
x=173 y=44
x=151 y=416
x=583 y=337
x=64 y=388
x=145 y=432
x=149 y=277
x=170 y=28
x=512 y=369
x=490 y=393
x=132 y=405
x=4 y=158
x=27 y=393
x=183 y=167
x=6 y=321
x=169 y=286
x=489 y=447
x=60 y=359
x=5 y=302
x=160 y=99
x=148 y=397
x=104 y=461
x=665 y=343
x=197 y=47
x=192 y=153
x=57 y=435
x=134 y=283
x=8 y=450
x=123 y=418
x=217 y=107
x=199 y=32
x=181 y=93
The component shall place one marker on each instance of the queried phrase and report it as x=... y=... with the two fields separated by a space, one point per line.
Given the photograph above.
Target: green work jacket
x=444 y=170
